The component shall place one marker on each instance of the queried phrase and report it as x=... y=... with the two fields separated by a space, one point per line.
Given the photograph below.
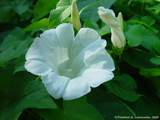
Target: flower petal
x=79 y=61
x=55 y=84
x=76 y=88
x=44 y=48
x=97 y=76
x=101 y=59
x=52 y=46
x=107 y=16
x=65 y=34
x=34 y=52
x=84 y=37
x=102 y=10
x=37 y=67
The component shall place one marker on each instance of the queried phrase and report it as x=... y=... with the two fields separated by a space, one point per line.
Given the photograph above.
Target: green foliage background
x=135 y=90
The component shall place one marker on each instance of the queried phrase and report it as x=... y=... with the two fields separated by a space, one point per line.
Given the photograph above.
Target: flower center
x=65 y=69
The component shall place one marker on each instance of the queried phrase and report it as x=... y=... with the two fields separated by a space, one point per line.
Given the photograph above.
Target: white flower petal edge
x=97 y=76
x=70 y=66
x=55 y=84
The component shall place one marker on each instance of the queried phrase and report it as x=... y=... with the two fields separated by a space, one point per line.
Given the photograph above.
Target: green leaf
x=146 y=105
x=6 y=11
x=21 y=6
x=35 y=26
x=13 y=11
x=155 y=60
x=77 y=109
x=10 y=8
x=55 y=16
x=109 y=105
x=139 y=35
x=51 y=114
x=154 y=10
x=150 y=72
x=149 y=20
x=19 y=65
x=61 y=13
x=43 y=7
x=146 y=21
x=91 y=24
x=156 y=85
x=134 y=35
x=66 y=13
x=23 y=93
x=88 y=8
x=80 y=110
x=138 y=58
x=124 y=87
x=104 y=30
x=64 y=3
x=14 y=46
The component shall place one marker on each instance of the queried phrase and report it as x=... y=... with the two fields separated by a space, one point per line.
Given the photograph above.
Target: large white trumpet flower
x=69 y=66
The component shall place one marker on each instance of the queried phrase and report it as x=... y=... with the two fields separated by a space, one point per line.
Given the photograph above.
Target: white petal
x=84 y=37
x=65 y=34
x=94 y=48
x=52 y=46
x=76 y=88
x=79 y=61
x=101 y=59
x=118 y=38
x=107 y=16
x=102 y=10
x=97 y=76
x=62 y=36
x=55 y=84
x=34 y=52
x=43 y=48
x=37 y=67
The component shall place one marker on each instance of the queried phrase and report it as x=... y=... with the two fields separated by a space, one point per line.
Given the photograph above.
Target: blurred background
x=135 y=90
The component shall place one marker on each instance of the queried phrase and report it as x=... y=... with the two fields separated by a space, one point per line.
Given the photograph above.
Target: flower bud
x=75 y=19
x=116 y=25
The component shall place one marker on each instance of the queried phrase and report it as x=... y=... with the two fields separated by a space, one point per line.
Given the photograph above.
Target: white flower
x=116 y=25
x=69 y=66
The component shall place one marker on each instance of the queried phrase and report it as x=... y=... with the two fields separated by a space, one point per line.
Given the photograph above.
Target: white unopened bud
x=116 y=25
